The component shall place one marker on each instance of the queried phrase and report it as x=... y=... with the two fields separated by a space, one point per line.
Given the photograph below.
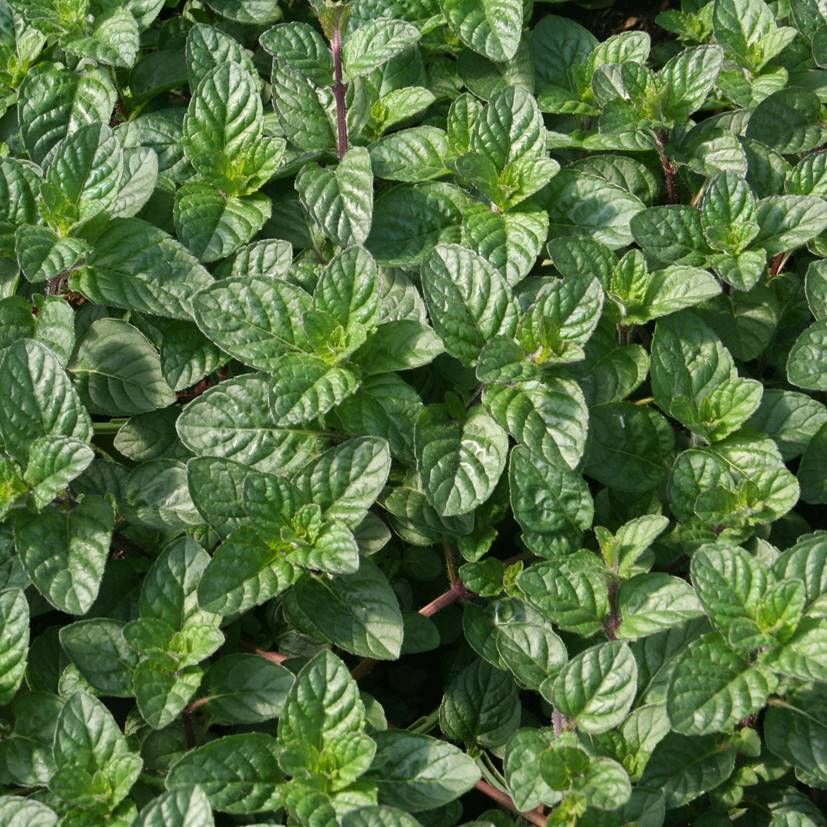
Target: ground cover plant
x=412 y=413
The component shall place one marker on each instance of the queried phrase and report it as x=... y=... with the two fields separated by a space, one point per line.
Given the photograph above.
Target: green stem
x=425 y=724
x=111 y=426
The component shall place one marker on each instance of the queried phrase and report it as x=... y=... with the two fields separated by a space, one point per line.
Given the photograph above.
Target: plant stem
x=339 y=90
x=450 y=564
x=559 y=723
x=197 y=704
x=669 y=171
x=456 y=592
x=424 y=724
x=504 y=800
x=111 y=426
x=273 y=657
x=364 y=667
x=613 y=620
x=778 y=262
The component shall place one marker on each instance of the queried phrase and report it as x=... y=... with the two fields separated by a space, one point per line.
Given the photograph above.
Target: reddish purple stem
x=456 y=592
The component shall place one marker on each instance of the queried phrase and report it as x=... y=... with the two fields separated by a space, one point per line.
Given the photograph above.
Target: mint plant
x=412 y=413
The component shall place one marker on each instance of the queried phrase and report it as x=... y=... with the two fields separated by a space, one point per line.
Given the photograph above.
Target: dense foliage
x=412 y=413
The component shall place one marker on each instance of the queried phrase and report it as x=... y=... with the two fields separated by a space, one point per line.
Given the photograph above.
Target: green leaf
x=16 y=811
x=791 y=419
x=804 y=656
x=805 y=362
x=795 y=729
x=398 y=345
x=687 y=79
x=741 y=480
x=712 y=688
x=596 y=688
x=511 y=242
x=339 y=201
x=207 y=48
x=789 y=221
x=162 y=688
x=526 y=643
x=113 y=39
x=522 y=769
x=509 y=130
x=346 y=480
x=82 y=178
x=177 y=808
x=416 y=154
x=672 y=234
x=322 y=707
x=409 y=220
x=256 y=320
x=245 y=571
x=155 y=495
x=610 y=371
x=810 y=475
x=169 y=589
x=358 y=612
x=99 y=650
x=650 y=603
x=480 y=705
x=43 y=255
x=14 y=642
x=572 y=593
x=233 y=420
x=551 y=503
x=56 y=102
x=550 y=418
x=560 y=320
x=117 y=370
x=468 y=300
x=415 y=772
x=301 y=47
x=375 y=43
x=239 y=773
x=87 y=736
x=492 y=28
x=42 y=400
x=587 y=206
x=64 y=553
x=378 y=816
x=304 y=387
x=460 y=463
x=694 y=379
x=788 y=121
x=245 y=689
x=138 y=267
x=301 y=115
x=250 y=12
x=212 y=225
x=728 y=214
x=54 y=461
x=730 y=584
x=223 y=131
x=684 y=767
